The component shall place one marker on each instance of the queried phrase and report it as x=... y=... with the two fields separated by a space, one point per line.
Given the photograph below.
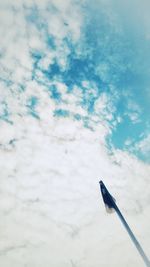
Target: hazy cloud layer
x=74 y=109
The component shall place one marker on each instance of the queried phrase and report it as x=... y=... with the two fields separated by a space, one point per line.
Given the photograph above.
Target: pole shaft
x=132 y=236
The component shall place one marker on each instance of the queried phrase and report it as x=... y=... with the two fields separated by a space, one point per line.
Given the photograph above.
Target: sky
x=74 y=109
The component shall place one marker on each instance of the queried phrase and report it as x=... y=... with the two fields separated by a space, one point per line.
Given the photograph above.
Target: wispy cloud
x=74 y=108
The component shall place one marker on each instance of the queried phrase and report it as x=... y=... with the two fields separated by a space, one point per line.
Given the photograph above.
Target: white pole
x=132 y=236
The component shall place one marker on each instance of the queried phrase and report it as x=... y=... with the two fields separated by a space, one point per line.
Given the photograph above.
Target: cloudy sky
x=74 y=109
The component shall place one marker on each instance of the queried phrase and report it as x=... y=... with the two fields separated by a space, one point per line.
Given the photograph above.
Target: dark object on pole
x=109 y=202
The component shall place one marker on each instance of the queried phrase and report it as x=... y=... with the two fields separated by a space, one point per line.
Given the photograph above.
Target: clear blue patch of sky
x=55 y=94
x=61 y=113
x=127 y=59
x=125 y=130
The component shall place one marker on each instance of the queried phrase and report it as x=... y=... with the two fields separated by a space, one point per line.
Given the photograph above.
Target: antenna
x=109 y=201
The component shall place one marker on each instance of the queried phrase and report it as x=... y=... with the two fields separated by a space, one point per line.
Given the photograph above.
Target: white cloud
x=50 y=201
x=50 y=177
x=134 y=111
x=144 y=146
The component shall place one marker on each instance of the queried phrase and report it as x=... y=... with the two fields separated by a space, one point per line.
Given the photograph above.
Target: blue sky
x=113 y=54
x=107 y=59
x=74 y=109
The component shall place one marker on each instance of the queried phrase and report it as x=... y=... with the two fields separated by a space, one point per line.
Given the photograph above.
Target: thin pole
x=132 y=236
